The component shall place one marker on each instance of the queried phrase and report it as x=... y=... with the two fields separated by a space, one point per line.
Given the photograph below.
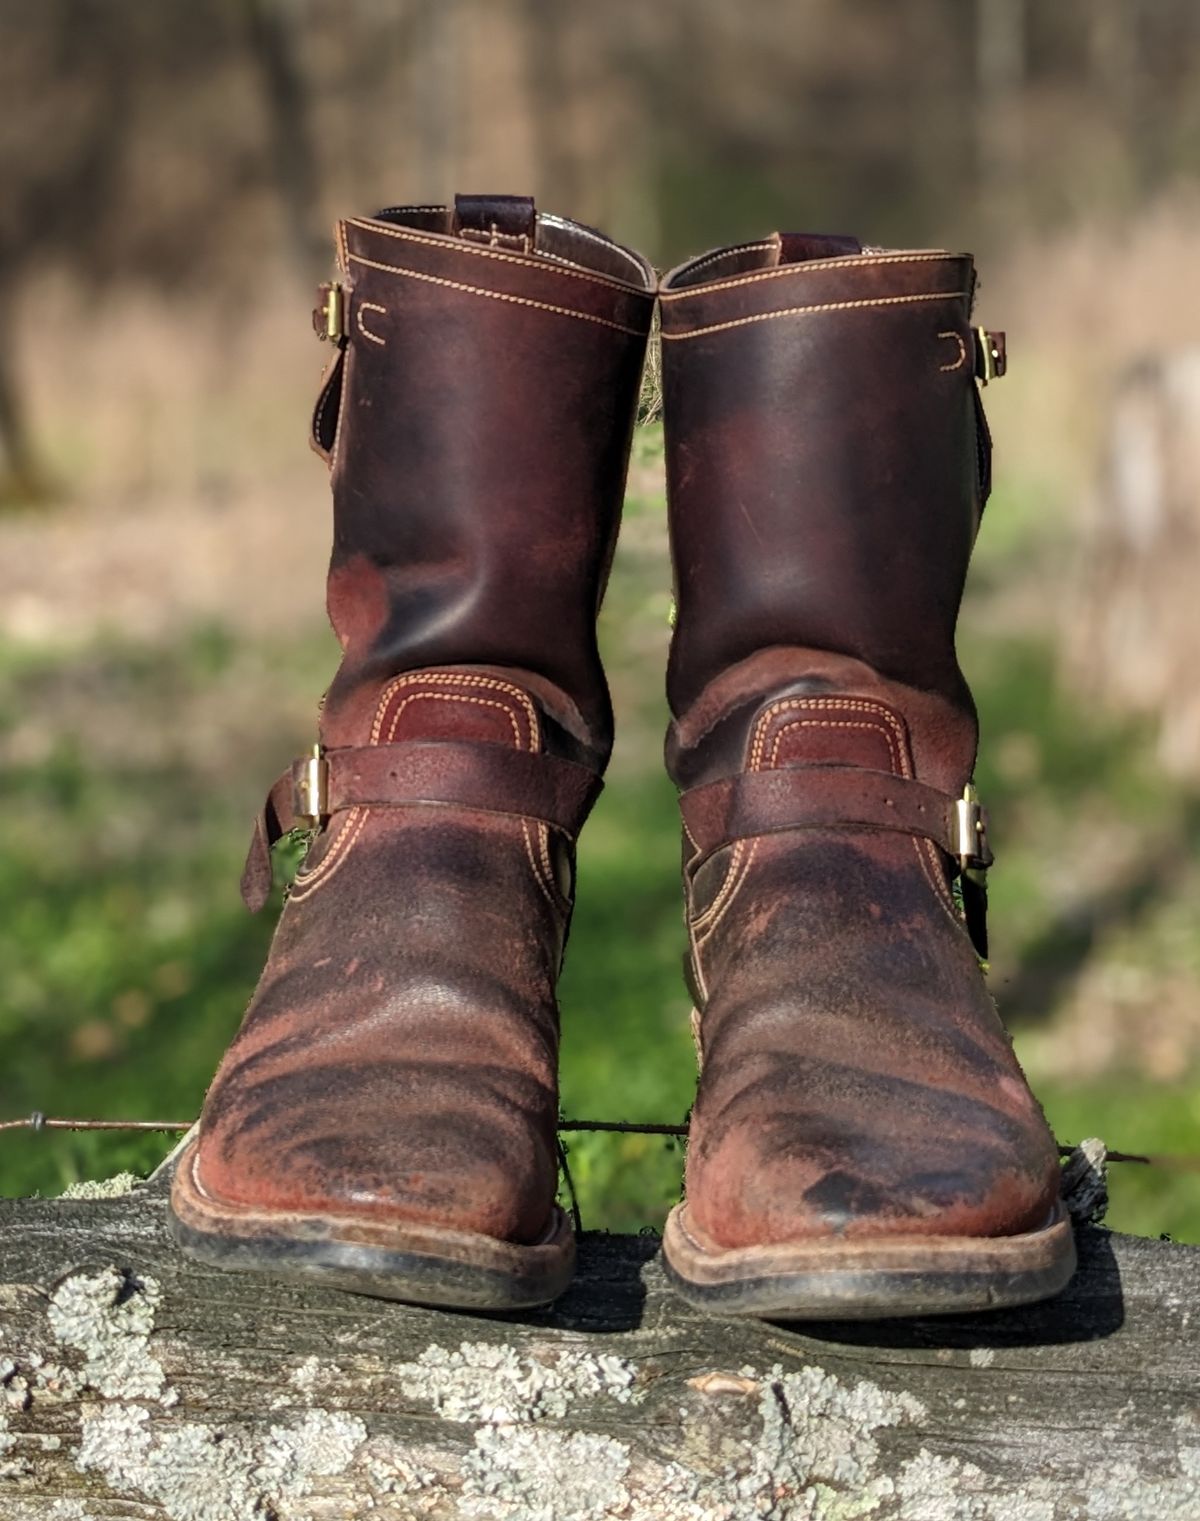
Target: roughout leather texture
x=827 y=467
x=398 y=1060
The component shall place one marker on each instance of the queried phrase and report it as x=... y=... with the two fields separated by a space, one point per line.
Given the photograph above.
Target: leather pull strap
x=800 y=247
x=816 y=797
x=504 y=221
x=480 y=777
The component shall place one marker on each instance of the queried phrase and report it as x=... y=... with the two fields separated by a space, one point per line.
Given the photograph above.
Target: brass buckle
x=310 y=795
x=973 y=851
x=991 y=355
x=329 y=315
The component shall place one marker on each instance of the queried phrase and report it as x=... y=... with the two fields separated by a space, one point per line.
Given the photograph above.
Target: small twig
x=622 y=1127
x=38 y=1121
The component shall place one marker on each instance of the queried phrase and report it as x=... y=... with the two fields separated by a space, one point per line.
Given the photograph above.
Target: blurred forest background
x=171 y=175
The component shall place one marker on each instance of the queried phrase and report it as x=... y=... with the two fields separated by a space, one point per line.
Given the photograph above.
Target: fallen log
x=135 y=1383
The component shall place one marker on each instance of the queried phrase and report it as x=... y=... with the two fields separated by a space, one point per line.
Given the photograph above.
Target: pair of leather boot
x=863 y=1140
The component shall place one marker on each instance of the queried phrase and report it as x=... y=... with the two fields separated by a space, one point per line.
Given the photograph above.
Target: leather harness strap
x=845 y=797
x=479 y=777
x=817 y=797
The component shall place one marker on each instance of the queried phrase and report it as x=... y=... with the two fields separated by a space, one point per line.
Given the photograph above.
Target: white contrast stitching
x=806 y=311
x=443 y=240
x=925 y=849
x=719 y=254
x=369 y=306
x=962 y=351
x=307 y=883
x=498 y=295
x=814 y=266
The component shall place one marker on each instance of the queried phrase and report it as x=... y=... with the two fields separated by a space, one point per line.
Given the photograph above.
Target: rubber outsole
x=861 y=1279
x=387 y=1260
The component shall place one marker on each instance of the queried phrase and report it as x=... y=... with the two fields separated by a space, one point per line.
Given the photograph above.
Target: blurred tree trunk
x=1001 y=48
x=549 y=84
x=273 y=47
x=436 y=99
x=23 y=479
x=1131 y=639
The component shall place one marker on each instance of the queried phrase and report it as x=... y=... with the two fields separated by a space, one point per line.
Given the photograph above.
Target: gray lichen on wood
x=134 y=1383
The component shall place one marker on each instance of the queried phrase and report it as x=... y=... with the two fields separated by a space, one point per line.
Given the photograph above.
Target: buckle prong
x=991 y=357
x=311 y=792
x=329 y=315
x=974 y=853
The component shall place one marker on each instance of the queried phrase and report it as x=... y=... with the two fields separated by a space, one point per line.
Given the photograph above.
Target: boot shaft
x=827 y=465
x=477 y=421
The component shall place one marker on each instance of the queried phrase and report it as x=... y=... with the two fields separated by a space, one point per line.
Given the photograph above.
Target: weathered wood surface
x=136 y=1384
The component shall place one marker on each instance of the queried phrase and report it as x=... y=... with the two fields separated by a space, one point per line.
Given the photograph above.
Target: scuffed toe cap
x=404 y=1152
x=755 y=1181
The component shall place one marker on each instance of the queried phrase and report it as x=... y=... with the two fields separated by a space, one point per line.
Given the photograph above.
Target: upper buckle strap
x=480 y=777
x=329 y=314
x=970 y=822
x=991 y=355
x=835 y=797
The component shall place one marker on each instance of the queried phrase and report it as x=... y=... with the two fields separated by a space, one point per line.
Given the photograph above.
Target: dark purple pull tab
x=799 y=247
x=504 y=221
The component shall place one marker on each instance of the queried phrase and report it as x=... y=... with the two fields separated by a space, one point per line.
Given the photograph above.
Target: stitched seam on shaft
x=483 y=702
x=839 y=704
x=461 y=679
x=927 y=854
x=454 y=678
x=495 y=253
x=815 y=266
x=495 y=237
x=369 y=306
x=503 y=296
x=308 y=882
x=739 y=850
x=342 y=251
x=697 y=963
x=716 y=910
x=339 y=852
x=962 y=352
x=545 y=883
x=544 y=851
x=925 y=849
x=537 y=875
x=718 y=254
x=710 y=924
x=830 y=723
x=691 y=839
x=590 y=235
x=804 y=311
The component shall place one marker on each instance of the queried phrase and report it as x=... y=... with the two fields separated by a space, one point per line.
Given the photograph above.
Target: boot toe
x=756 y=1184
x=441 y=1159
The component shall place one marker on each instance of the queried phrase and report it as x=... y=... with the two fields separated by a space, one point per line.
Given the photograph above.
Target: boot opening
x=494 y=221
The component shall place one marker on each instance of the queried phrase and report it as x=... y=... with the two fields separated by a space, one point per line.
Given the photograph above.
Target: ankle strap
x=480 y=777
x=847 y=797
x=834 y=797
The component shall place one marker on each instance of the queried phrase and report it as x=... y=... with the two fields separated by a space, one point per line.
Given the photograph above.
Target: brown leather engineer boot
x=863 y=1141
x=385 y=1120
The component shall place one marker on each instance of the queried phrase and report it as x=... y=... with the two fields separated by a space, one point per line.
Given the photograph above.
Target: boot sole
x=419 y=1264
x=840 y=1279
